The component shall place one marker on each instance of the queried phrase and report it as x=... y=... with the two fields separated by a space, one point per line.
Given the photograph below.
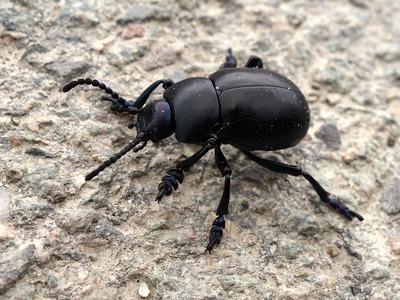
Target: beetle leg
x=254 y=62
x=325 y=196
x=225 y=171
x=230 y=60
x=218 y=225
x=174 y=176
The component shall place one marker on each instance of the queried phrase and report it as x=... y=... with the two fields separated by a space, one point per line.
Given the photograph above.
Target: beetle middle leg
x=230 y=60
x=175 y=176
x=325 y=196
x=218 y=225
x=254 y=62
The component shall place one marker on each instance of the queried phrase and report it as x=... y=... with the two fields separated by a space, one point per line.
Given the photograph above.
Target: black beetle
x=251 y=108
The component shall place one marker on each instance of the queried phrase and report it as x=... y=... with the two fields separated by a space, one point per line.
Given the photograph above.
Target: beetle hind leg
x=325 y=196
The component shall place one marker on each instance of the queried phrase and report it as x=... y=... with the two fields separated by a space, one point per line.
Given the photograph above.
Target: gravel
x=64 y=238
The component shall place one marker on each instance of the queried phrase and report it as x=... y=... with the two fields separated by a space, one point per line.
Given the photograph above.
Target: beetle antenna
x=141 y=100
x=137 y=144
x=69 y=86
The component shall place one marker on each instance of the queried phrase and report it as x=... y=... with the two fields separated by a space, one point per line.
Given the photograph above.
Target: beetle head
x=156 y=119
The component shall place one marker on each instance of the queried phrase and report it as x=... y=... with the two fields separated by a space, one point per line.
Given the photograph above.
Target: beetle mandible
x=251 y=108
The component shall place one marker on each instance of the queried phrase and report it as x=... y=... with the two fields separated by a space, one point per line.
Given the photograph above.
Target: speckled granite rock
x=62 y=238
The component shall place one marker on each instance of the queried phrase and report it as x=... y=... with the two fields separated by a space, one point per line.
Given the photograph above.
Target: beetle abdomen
x=260 y=109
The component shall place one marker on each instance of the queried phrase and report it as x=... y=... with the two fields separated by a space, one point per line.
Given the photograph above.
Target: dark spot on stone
x=39 y=152
x=244 y=205
x=391 y=142
x=34 y=48
x=330 y=135
x=355 y=290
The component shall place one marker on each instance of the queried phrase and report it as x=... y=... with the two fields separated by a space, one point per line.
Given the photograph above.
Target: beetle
x=251 y=108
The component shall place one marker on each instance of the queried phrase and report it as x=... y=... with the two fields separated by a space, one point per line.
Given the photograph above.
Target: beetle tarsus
x=216 y=233
x=230 y=60
x=342 y=209
x=169 y=183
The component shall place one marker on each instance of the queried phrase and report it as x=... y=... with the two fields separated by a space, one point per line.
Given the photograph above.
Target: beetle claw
x=160 y=195
x=210 y=246
x=214 y=241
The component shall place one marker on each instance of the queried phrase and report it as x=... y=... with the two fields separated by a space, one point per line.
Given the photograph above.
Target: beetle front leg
x=175 y=176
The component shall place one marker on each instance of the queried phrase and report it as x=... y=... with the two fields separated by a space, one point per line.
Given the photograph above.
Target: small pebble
x=332 y=251
x=143 y=291
x=132 y=31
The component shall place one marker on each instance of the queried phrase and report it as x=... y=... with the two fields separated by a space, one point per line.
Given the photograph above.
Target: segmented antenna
x=141 y=139
x=94 y=83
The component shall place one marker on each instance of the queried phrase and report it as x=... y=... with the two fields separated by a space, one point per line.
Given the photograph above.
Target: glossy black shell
x=252 y=109
x=195 y=108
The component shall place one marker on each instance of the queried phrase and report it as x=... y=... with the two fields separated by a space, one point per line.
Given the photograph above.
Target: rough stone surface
x=16 y=267
x=76 y=220
x=67 y=70
x=102 y=239
x=139 y=13
x=390 y=200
